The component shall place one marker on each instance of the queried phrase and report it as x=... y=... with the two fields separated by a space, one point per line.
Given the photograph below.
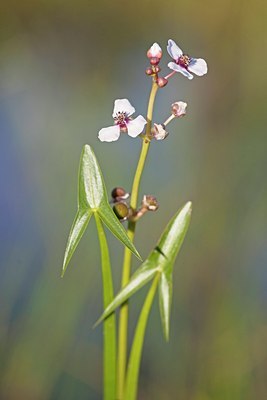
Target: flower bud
x=150 y=202
x=154 y=60
x=121 y=210
x=118 y=193
x=162 y=82
x=156 y=69
x=149 y=71
x=179 y=108
x=154 y=52
x=159 y=132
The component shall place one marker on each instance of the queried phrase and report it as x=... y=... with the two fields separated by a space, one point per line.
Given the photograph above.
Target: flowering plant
x=121 y=375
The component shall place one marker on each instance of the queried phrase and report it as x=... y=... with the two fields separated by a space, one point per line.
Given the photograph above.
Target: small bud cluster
x=154 y=55
x=123 y=210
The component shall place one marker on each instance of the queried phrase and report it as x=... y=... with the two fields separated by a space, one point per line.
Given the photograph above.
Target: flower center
x=183 y=61
x=122 y=119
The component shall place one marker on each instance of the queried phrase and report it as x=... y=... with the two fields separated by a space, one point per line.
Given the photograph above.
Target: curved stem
x=123 y=322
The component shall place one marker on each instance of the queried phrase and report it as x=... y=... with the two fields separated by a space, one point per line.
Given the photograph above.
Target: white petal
x=174 y=51
x=154 y=51
x=198 y=66
x=177 y=68
x=109 y=134
x=136 y=126
x=123 y=105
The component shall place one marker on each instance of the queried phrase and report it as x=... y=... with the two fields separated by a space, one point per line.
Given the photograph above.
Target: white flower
x=185 y=64
x=154 y=51
x=179 y=108
x=122 y=122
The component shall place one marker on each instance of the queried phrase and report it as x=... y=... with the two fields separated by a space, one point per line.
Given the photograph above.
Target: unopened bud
x=121 y=210
x=149 y=71
x=162 y=82
x=179 y=108
x=159 y=132
x=119 y=193
x=154 y=52
x=150 y=202
x=154 y=60
x=156 y=69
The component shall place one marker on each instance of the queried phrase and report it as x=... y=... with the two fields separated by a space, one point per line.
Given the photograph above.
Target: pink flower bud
x=154 y=60
x=179 y=108
x=162 y=82
x=149 y=71
x=154 y=52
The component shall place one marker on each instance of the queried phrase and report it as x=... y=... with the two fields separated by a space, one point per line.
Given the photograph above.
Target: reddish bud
x=119 y=193
x=156 y=69
x=154 y=52
x=154 y=60
x=149 y=71
x=162 y=82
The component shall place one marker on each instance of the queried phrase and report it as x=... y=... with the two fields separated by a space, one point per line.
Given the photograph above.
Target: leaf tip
x=138 y=255
x=97 y=322
x=86 y=147
x=188 y=207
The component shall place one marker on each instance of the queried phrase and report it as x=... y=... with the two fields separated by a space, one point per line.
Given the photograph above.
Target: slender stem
x=123 y=322
x=138 y=342
x=170 y=75
x=168 y=120
x=109 y=328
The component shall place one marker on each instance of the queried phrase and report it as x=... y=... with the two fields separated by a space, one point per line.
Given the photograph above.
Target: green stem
x=109 y=328
x=126 y=271
x=138 y=342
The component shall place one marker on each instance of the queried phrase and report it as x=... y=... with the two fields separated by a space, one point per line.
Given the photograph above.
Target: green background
x=62 y=65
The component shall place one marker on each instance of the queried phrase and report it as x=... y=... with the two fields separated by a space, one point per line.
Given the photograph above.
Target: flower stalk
x=126 y=270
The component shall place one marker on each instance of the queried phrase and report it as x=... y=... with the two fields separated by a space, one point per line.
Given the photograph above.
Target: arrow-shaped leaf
x=93 y=198
x=161 y=260
x=170 y=244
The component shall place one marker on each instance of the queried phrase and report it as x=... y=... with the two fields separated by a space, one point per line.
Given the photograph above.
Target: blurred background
x=62 y=65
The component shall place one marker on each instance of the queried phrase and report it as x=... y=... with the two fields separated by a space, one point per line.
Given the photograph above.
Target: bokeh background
x=62 y=64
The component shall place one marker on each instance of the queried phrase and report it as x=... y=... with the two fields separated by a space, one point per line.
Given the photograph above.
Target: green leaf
x=160 y=259
x=143 y=275
x=114 y=225
x=165 y=300
x=109 y=326
x=136 y=350
x=93 y=198
x=170 y=244
x=92 y=190
x=77 y=230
